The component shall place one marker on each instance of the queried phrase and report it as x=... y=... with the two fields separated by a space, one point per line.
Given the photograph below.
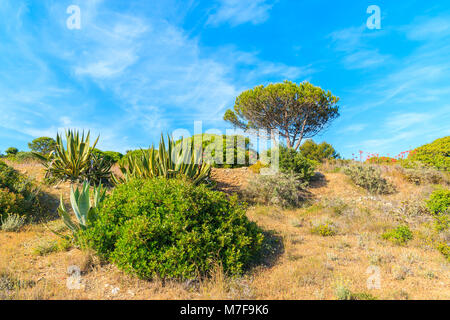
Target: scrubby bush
x=169 y=228
x=283 y=190
x=439 y=201
x=110 y=156
x=11 y=151
x=256 y=168
x=318 y=152
x=18 y=195
x=236 y=146
x=12 y=222
x=422 y=175
x=293 y=162
x=324 y=229
x=42 y=145
x=369 y=178
x=399 y=235
x=435 y=154
x=444 y=248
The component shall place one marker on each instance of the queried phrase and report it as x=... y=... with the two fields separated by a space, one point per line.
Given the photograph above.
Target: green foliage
x=75 y=160
x=18 y=195
x=435 y=154
x=42 y=145
x=45 y=247
x=297 y=111
x=173 y=229
x=325 y=229
x=229 y=151
x=83 y=206
x=283 y=190
x=256 y=168
x=444 y=248
x=318 y=152
x=11 y=151
x=12 y=222
x=178 y=160
x=369 y=178
x=110 y=156
x=400 y=235
x=439 y=201
x=293 y=162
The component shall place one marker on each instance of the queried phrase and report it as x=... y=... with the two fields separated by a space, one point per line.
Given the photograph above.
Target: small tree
x=11 y=151
x=296 y=111
x=42 y=145
x=318 y=152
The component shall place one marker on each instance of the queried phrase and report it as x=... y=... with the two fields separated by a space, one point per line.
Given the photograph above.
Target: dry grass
x=301 y=265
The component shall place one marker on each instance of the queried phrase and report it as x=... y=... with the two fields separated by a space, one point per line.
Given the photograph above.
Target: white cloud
x=236 y=12
x=353 y=43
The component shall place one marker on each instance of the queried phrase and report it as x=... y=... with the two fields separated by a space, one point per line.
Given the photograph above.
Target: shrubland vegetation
x=160 y=215
x=19 y=198
x=172 y=229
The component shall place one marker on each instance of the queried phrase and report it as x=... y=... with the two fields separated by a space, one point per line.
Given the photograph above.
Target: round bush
x=172 y=229
x=435 y=154
x=439 y=201
x=294 y=162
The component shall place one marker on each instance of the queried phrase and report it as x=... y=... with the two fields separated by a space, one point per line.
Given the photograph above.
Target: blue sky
x=139 y=68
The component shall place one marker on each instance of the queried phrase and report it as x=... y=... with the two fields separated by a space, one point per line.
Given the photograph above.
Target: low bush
x=435 y=154
x=169 y=228
x=439 y=201
x=256 y=168
x=369 y=178
x=444 y=248
x=400 y=235
x=324 y=229
x=12 y=222
x=293 y=162
x=422 y=175
x=283 y=190
x=18 y=195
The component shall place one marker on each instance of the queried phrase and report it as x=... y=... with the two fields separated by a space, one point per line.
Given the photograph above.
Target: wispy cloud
x=353 y=43
x=236 y=12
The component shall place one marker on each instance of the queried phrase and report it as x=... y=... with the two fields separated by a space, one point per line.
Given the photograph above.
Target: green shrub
x=435 y=154
x=325 y=229
x=110 y=156
x=256 y=168
x=18 y=195
x=444 y=248
x=318 y=152
x=45 y=247
x=293 y=162
x=369 y=178
x=172 y=229
x=283 y=190
x=399 y=235
x=439 y=201
x=238 y=146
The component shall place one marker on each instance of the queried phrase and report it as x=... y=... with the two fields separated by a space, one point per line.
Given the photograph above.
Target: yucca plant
x=75 y=160
x=178 y=159
x=83 y=206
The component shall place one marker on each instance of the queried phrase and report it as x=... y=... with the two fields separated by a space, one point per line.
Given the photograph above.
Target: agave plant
x=179 y=159
x=75 y=160
x=83 y=206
